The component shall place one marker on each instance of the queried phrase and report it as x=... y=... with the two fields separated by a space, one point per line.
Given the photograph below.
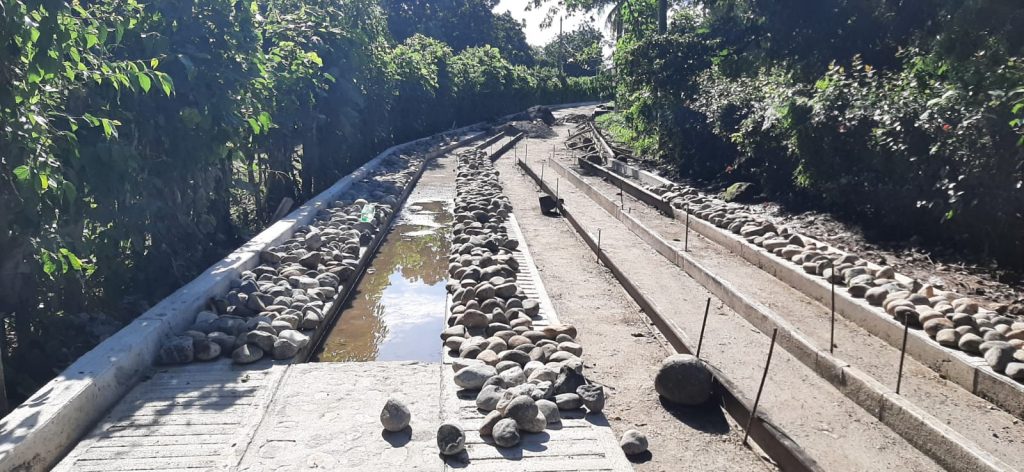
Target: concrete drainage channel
x=938 y=440
x=234 y=393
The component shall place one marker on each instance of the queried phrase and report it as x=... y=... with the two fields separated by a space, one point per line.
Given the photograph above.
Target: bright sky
x=534 y=34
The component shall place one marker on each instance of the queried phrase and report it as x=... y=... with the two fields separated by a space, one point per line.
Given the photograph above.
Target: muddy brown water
x=398 y=307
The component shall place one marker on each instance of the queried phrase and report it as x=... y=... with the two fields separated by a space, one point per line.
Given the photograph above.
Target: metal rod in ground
x=832 y=327
x=622 y=198
x=760 y=388
x=686 y=239
x=903 y=353
x=703 y=324
x=526 y=151
x=599 y=244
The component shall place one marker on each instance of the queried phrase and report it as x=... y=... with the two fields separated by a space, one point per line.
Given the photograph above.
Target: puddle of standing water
x=399 y=305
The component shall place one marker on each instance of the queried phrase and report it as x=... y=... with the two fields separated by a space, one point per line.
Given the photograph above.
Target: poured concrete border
x=38 y=433
x=933 y=437
x=776 y=444
x=969 y=372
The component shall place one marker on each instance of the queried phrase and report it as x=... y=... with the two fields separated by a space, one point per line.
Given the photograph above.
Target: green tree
x=578 y=53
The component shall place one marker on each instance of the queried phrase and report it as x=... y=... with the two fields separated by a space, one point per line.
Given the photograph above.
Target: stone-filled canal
x=399 y=305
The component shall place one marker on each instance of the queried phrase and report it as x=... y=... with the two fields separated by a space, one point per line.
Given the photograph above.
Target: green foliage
x=578 y=52
x=142 y=141
x=907 y=115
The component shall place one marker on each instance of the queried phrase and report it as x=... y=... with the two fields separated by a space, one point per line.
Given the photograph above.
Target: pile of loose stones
x=952 y=320
x=271 y=309
x=523 y=375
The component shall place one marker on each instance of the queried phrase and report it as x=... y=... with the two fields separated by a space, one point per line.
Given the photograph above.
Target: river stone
x=568 y=381
x=948 y=337
x=176 y=350
x=284 y=349
x=295 y=337
x=998 y=358
x=262 y=339
x=876 y=295
x=549 y=409
x=522 y=409
x=536 y=425
x=568 y=401
x=633 y=442
x=933 y=326
x=488 y=397
x=473 y=376
x=247 y=354
x=572 y=348
x=683 y=379
x=488 y=357
x=505 y=365
x=515 y=355
x=512 y=377
x=593 y=397
x=970 y=342
x=487 y=426
x=206 y=350
x=395 y=416
x=224 y=340
x=506 y=433
x=451 y=440
x=1015 y=370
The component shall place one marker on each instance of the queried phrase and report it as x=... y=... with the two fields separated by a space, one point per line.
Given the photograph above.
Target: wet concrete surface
x=399 y=305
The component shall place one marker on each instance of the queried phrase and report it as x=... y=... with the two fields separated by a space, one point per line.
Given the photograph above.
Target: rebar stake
x=703 y=324
x=903 y=352
x=760 y=388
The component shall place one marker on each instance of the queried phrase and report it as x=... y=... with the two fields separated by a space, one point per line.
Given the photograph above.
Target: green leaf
x=144 y=81
x=254 y=124
x=76 y=263
x=69 y=190
x=91 y=40
x=264 y=118
x=44 y=181
x=165 y=83
x=49 y=265
x=154 y=62
x=21 y=172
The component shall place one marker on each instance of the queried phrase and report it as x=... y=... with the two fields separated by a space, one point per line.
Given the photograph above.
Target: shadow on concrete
x=707 y=417
x=397 y=438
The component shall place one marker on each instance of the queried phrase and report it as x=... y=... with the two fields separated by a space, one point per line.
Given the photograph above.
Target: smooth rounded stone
x=454 y=343
x=542 y=374
x=496 y=344
x=999 y=358
x=532 y=366
x=993 y=336
x=561 y=356
x=474 y=319
x=905 y=314
x=534 y=336
x=488 y=397
x=1015 y=370
x=459 y=363
x=876 y=295
x=457 y=330
x=247 y=354
x=488 y=357
x=470 y=350
x=568 y=401
x=264 y=340
x=592 y=396
x=549 y=409
x=224 y=340
x=517 y=340
x=451 y=440
x=284 y=349
x=176 y=350
x=487 y=425
x=683 y=379
x=532 y=307
x=473 y=377
x=948 y=337
x=506 y=365
x=395 y=415
x=522 y=409
x=535 y=425
x=1014 y=334
x=933 y=326
x=553 y=331
x=506 y=433
x=541 y=353
x=985 y=346
x=966 y=329
x=926 y=315
x=519 y=357
x=571 y=348
x=633 y=442
x=970 y=342
x=512 y=377
x=964 y=319
x=859 y=290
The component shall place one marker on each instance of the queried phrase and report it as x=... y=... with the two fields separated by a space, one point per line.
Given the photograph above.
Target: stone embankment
x=273 y=309
x=971 y=325
x=521 y=375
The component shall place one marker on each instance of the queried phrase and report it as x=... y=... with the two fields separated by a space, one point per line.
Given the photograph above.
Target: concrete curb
x=780 y=447
x=969 y=372
x=948 y=447
x=38 y=433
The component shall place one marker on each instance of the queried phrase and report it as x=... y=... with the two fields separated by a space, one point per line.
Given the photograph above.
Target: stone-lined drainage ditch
x=521 y=375
x=401 y=297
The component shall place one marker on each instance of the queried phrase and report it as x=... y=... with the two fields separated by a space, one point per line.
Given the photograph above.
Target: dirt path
x=806 y=407
x=623 y=352
x=991 y=428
